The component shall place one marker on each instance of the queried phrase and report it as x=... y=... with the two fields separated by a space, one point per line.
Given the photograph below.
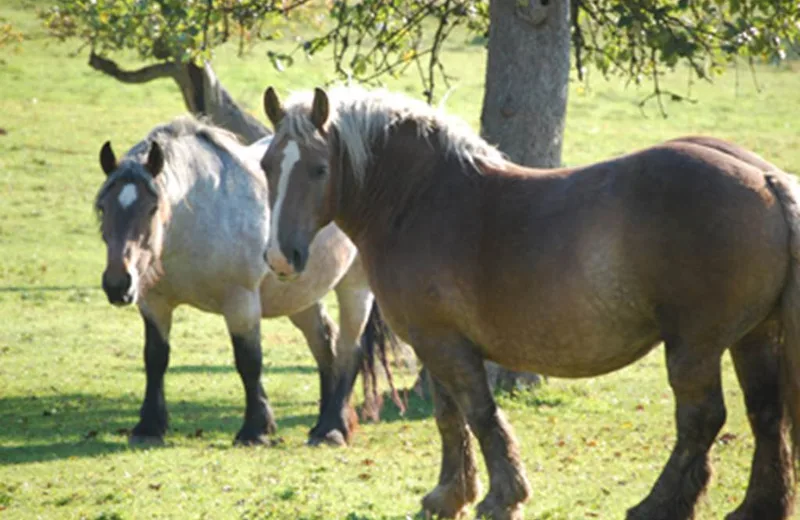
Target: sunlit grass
x=71 y=377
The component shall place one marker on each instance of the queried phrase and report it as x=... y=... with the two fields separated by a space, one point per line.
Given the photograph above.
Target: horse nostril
x=118 y=289
x=298 y=260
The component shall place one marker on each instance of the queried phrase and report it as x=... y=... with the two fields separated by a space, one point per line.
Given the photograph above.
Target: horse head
x=302 y=196
x=132 y=215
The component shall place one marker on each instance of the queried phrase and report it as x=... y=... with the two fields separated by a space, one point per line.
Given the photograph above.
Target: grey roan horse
x=571 y=272
x=185 y=219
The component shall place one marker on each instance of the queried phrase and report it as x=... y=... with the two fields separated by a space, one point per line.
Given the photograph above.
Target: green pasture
x=71 y=375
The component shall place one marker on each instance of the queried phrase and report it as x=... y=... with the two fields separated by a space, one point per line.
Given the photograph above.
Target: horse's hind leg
x=458 y=368
x=242 y=310
x=355 y=300
x=320 y=333
x=458 y=479
x=695 y=378
x=152 y=423
x=770 y=491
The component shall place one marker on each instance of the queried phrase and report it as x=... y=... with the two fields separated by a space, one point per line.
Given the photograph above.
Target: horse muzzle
x=286 y=267
x=119 y=290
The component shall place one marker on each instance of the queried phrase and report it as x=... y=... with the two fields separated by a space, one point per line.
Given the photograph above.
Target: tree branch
x=143 y=75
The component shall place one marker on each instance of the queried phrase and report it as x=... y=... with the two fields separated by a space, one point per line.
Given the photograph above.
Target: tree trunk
x=527 y=75
x=525 y=97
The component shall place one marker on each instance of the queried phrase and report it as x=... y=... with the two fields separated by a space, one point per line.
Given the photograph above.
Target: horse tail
x=788 y=192
x=376 y=342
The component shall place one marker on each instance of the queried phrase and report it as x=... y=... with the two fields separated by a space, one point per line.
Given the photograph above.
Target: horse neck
x=406 y=175
x=196 y=198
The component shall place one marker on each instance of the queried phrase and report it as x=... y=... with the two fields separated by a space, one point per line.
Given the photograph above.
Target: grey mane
x=180 y=156
x=363 y=117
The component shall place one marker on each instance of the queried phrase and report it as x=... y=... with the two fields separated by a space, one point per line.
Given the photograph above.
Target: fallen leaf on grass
x=364 y=476
x=155 y=486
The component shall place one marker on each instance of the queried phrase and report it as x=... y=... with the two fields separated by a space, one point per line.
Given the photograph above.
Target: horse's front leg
x=458 y=477
x=457 y=366
x=338 y=419
x=152 y=423
x=320 y=333
x=242 y=311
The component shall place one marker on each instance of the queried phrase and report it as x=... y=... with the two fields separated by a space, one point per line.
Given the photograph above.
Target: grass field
x=71 y=375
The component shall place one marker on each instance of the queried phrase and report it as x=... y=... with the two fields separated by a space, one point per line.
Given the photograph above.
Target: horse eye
x=320 y=171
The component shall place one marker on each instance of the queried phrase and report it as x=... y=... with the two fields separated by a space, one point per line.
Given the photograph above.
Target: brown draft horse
x=571 y=272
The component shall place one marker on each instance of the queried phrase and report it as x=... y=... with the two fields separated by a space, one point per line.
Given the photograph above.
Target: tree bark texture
x=527 y=75
x=211 y=99
x=525 y=100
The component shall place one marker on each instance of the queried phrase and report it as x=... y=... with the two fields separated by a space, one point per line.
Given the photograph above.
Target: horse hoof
x=489 y=511
x=332 y=438
x=252 y=440
x=145 y=441
x=642 y=512
x=442 y=503
x=775 y=510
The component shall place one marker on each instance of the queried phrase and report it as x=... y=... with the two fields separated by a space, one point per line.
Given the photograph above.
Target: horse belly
x=570 y=337
x=581 y=348
x=577 y=310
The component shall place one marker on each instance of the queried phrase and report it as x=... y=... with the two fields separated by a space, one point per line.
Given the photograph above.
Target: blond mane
x=362 y=117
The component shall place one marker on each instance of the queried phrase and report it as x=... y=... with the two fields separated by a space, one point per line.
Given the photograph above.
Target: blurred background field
x=71 y=375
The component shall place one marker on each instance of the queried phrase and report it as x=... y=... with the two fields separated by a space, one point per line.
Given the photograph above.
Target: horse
x=569 y=272
x=185 y=216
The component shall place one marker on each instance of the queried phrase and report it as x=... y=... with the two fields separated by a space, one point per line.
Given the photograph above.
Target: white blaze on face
x=291 y=154
x=134 y=283
x=127 y=195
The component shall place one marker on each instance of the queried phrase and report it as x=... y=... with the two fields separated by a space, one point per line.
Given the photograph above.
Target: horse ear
x=155 y=159
x=319 y=109
x=272 y=107
x=107 y=159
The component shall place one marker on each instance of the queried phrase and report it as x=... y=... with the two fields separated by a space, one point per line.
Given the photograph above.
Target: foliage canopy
x=637 y=39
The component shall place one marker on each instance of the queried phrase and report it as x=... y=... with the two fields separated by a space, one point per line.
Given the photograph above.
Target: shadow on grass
x=223 y=369
x=43 y=428
x=48 y=288
x=421 y=407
